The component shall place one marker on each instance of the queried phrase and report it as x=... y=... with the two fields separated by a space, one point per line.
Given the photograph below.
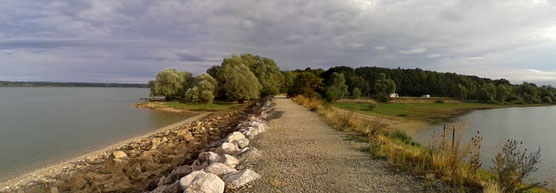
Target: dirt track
x=302 y=153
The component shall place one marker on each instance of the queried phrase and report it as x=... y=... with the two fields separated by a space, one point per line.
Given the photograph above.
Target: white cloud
x=433 y=55
x=414 y=51
x=380 y=48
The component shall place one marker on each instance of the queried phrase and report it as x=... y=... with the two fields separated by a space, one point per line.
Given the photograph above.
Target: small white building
x=426 y=96
x=394 y=95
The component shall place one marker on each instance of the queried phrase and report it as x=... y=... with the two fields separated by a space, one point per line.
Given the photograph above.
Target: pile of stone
x=215 y=169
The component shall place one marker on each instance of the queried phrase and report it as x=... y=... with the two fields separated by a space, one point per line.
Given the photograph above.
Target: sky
x=128 y=41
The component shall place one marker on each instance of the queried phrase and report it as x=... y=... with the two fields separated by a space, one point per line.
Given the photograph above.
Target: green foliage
x=169 y=83
x=306 y=84
x=338 y=88
x=502 y=93
x=372 y=106
x=288 y=81
x=203 y=90
x=487 y=93
x=401 y=136
x=512 y=165
x=383 y=87
x=240 y=83
x=461 y=92
x=267 y=72
x=356 y=93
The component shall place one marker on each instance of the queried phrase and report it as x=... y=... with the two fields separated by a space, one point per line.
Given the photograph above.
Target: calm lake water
x=40 y=126
x=534 y=126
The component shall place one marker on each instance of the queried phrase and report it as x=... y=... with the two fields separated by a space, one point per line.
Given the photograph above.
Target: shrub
x=372 y=106
x=401 y=136
x=512 y=165
x=356 y=93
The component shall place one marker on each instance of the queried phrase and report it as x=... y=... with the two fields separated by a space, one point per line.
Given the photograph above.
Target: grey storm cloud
x=131 y=40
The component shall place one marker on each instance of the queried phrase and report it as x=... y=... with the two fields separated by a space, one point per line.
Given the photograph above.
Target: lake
x=534 y=126
x=40 y=126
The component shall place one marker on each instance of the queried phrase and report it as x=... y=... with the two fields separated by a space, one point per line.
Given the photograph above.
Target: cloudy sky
x=131 y=40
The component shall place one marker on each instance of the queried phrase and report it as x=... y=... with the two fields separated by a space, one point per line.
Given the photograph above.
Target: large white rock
x=210 y=156
x=241 y=143
x=228 y=148
x=155 y=142
x=201 y=181
x=220 y=169
x=260 y=126
x=119 y=155
x=238 y=179
x=235 y=136
x=251 y=132
x=229 y=160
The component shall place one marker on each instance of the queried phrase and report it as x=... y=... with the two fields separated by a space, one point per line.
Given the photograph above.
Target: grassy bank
x=181 y=106
x=458 y=164
x=427 y=112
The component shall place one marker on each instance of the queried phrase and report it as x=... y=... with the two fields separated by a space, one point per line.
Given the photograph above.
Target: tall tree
x=267 y=72
x=240 y=83
x=306 y=84
x=203 y=90
x=338 y=88
x=169 y=83
x=383 y=87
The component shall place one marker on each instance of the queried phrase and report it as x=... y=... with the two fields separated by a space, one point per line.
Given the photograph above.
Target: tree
x=338 y=89
x=267 y=72
x=188 y=80
x=502 y=93
x=288 y=81
x=306 y=84
x=461 y=92
x=383 y=87
x=203 y=90
x=150 y=85
x=356 y=93
x=487 y=93
x=168 y=83
x=240 y=83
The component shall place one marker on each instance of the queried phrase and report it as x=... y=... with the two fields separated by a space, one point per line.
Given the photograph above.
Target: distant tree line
x=248 y=76
x=342 y=82
x=238 y=78
x=67 y=84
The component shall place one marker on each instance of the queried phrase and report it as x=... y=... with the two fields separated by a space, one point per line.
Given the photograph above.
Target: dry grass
x=456 y=161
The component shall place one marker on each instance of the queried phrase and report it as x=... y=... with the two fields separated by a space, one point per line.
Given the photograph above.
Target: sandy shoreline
x=53 y=169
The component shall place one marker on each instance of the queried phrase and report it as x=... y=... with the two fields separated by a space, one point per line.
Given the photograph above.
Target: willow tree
x=338 y=89
x=267 y=72
x=383 y=87
x=240 y=83
x=168 y=83
x=202 y=91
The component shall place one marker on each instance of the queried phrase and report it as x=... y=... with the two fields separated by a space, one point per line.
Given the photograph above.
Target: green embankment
x=428 y=112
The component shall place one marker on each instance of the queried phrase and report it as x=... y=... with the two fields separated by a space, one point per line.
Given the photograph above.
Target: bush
x=401 y=137
x=372 y=106
x=512 y=166
x=356 y=93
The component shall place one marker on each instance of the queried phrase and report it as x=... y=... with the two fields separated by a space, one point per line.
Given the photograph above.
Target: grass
x=177 y=105
x=428 y=112
x=458 y=165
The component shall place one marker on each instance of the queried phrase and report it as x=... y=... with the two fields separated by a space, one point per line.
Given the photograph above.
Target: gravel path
x=300 y=152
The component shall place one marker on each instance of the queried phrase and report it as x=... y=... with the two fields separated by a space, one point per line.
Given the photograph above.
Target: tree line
x=380 y=82
x=238 y=78
x=248 y=76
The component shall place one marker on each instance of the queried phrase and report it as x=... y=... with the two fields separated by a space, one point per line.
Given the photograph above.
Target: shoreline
x=52 y=169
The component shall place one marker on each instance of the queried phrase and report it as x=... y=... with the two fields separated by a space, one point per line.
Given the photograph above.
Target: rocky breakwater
x=215 y=169
x=193 y=156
